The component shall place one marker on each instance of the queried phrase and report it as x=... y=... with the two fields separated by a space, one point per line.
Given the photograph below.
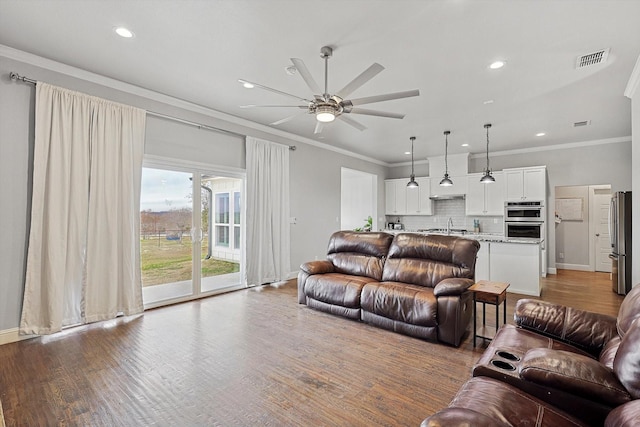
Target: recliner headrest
x=629 y=310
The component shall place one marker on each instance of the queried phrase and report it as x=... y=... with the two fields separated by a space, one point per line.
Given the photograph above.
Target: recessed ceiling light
x=488 y=101
x=407 y=152
x=497 y=64
x=246 y=84
x=465 y=145
x=123 y=32
x=540 y=134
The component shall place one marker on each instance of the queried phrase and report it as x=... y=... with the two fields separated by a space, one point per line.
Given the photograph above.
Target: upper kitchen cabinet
x=526 y=183
x=395 y=194
x=485 y=199
x=418 y=199
x=459 y=187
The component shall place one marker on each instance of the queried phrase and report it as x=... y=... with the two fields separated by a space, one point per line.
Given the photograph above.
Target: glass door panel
x=166 y=223
x=221 y=242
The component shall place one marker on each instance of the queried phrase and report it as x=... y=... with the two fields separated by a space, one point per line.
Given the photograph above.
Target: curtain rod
x=15 y=77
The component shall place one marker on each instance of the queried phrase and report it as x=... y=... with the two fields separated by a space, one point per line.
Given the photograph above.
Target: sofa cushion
x=415 y=305
x=426 y=260
x=629 y=310
x=626 y=365
x=505 y=404
x=359 y=254
x=336 y=288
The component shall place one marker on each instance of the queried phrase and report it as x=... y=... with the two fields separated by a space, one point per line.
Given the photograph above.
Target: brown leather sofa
x=557 y=361
x=409 y=283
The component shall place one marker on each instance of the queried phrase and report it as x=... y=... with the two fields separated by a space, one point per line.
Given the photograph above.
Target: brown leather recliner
x=582 y=364
x=410 y=283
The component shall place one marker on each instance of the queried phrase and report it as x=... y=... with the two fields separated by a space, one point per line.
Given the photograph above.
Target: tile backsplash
x=454 y=209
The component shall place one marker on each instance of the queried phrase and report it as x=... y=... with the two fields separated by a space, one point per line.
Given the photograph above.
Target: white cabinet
x=459 y=186
x=482 y=262
x=485 y=199
x=418 y=199
x=517 y=264
x=395 y=191
x=525 y=183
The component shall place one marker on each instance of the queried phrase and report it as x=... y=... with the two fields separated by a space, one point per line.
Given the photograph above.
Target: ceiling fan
x=327 y=107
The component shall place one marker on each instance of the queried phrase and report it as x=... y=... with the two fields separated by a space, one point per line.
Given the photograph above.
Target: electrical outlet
x=495 y=220
x=561 y=255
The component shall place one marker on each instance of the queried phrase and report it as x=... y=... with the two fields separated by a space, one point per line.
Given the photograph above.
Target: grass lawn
x=167 y=261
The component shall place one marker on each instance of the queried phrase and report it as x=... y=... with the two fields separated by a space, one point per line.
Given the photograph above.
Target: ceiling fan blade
x=306 y=75
x=274 y=106
x=286 y=119
x=380 y=98
x=274 y=90
x=318 y=129
x=352 y=122
x=364 y=77
x=376 y=113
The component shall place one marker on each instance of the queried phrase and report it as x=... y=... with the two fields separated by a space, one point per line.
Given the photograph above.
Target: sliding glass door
x=191 y=230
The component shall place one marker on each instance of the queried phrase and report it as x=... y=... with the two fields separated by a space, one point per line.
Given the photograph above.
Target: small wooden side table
x=493 y=293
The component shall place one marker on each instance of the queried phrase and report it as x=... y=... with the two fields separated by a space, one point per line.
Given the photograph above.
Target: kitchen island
x=517 y=262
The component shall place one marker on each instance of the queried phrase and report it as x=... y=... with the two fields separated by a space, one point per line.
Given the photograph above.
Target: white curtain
x=83 y=262
x=268 y=243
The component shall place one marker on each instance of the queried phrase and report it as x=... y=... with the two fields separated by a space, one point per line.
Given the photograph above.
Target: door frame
x=199 y=169
x=593 y=189
x=374 y=194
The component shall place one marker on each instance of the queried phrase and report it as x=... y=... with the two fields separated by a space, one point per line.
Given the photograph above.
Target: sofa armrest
x=627 y=415
x=460 y=417
x=586 y=330
x=452 y=286
x=573 y=373
x=317 y=267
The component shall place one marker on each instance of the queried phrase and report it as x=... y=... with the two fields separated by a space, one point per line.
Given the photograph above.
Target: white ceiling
x=196 y=51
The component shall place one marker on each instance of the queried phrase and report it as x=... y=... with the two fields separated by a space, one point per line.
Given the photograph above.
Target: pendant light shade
x=446 y=181
x=412 y=182
x=487 y=178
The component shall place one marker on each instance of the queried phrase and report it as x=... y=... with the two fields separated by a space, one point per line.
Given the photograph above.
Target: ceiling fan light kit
x=446 y=181
x=487 y=178
x=412 y=181
x=328 y=107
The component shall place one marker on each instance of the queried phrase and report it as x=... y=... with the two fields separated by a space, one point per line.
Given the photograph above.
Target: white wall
x=314 y=171
x=635 y=132
x=572 y=237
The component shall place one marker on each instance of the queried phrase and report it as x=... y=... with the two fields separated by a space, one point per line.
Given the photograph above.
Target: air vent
x=592 y=58
x=582 y=123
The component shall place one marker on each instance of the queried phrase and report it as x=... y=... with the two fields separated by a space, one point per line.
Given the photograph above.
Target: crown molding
x=89 y=76
x=569 y=145
x=634 y=81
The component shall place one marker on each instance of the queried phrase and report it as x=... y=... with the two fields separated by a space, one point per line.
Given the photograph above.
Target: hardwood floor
x=251 y=357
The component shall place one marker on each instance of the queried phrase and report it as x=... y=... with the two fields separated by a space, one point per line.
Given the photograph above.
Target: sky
x=164 y=190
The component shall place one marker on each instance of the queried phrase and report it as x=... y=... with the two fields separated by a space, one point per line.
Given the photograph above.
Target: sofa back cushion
x=359 y=254
x=629 y=310
x=426 y=260
x=626 y=364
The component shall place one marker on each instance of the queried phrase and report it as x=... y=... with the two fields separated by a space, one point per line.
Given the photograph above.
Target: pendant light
x=412 y=182
x=446 y=181
x=487 y=177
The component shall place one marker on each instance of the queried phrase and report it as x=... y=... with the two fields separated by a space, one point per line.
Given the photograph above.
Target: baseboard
x=8 y=336
x=292 y=275
x=578 y=267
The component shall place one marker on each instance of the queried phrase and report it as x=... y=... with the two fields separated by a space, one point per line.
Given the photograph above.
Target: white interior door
x=601 y=240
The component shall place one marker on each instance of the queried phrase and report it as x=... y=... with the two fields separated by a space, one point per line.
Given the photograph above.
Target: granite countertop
x=481 y=237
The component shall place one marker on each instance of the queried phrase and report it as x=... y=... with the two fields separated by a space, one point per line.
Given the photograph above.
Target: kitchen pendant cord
x=17 y=77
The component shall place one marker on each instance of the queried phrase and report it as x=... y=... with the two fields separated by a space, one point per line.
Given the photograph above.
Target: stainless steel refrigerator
x=620 y=232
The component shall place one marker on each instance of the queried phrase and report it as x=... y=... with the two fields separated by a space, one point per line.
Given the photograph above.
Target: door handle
x=597 y=234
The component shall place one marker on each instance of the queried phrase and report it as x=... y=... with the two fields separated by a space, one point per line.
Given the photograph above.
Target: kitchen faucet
x=449 y=226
